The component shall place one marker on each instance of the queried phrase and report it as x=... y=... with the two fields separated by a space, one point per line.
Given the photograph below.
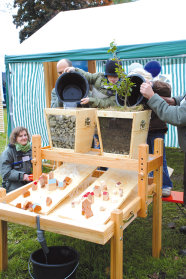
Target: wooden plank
x=140 y=127
x=99 y=234
x=90 y=159
x=15 y=193
x=17 y=215
x=140 y=115
x=141 y=120
x=128 y=180
x=61 y=111
x=154 y=162
x=138 y=137
x=115 y=114
x=84 y=130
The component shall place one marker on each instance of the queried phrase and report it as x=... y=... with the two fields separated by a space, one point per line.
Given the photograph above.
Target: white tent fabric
x=141 y=22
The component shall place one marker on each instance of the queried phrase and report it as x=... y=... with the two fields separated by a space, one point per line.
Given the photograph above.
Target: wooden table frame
x=135 y=206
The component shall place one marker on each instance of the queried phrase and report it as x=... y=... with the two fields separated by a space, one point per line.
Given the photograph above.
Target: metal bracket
x=131 y=215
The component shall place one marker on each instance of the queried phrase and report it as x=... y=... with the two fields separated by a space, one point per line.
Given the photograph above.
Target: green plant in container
x=123 y=87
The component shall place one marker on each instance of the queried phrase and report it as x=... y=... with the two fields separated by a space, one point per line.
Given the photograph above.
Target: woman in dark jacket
x=16 y=160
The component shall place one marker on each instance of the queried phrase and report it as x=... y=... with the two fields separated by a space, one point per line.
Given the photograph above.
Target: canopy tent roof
x=144 y=28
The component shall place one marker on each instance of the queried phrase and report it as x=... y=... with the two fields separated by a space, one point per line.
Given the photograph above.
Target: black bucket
x=71 y=88
x=62 y=262
x=136 y=97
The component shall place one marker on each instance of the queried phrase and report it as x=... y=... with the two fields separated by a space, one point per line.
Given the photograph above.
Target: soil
x=116 y=135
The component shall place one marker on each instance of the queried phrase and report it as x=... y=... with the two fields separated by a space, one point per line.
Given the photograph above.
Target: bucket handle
x=29 y=271
x=29 y=261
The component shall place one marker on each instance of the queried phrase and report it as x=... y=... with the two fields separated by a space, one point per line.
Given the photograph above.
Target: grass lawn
x=95 y=259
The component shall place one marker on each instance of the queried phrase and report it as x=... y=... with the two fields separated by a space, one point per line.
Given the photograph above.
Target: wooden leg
x=157 y=203
x=36 y=156
x=3 y=246
x=116 y=253
x=143 y=178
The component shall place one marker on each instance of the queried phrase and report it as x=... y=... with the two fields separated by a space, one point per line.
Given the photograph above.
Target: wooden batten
x=115 y=114
x=90 y=159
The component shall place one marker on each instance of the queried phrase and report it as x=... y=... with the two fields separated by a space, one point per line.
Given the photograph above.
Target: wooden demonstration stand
x=136 y=205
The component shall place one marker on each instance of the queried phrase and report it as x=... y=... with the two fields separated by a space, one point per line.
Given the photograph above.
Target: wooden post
x=50 y=74
x=3 y=246
x=157 y=202
x=143 y=178
x=92 y=66
x=36 y=156
x=116 y=252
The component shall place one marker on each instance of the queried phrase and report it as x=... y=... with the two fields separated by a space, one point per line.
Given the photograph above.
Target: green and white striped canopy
x=143 y=30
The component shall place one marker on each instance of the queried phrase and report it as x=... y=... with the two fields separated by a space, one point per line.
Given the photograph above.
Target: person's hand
x=26 y=177
x=85 y=101
x=69 y=69
x=170 y=101
x=146 y=90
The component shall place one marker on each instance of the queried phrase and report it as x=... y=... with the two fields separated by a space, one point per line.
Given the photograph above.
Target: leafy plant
x=124 y=86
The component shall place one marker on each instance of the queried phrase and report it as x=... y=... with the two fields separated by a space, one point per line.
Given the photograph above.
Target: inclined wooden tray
x=128 y=179
x=78 y=173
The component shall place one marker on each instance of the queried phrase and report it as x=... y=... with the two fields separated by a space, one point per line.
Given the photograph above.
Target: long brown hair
x=15 y=133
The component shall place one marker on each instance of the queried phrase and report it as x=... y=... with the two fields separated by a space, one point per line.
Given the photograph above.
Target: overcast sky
x=9 y=35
